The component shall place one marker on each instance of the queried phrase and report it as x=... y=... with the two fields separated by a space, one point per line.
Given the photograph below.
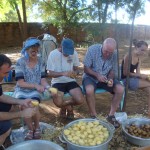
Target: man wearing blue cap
x=62 y=65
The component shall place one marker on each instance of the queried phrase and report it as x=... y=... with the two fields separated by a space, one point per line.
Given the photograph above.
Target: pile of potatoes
x=142 y=131
x=87 y=133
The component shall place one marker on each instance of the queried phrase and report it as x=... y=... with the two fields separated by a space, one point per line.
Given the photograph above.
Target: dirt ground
x=136 y=101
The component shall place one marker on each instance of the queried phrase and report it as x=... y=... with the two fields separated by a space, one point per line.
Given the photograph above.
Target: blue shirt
x=94 y=60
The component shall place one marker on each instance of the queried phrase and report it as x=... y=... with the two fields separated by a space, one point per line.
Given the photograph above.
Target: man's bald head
x=109 y=45
x=110 y=42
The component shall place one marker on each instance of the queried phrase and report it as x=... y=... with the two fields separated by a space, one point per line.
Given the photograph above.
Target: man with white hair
x=99 y=72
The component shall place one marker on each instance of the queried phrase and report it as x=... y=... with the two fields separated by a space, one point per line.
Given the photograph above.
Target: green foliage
x=63 y=13
x=135 y=7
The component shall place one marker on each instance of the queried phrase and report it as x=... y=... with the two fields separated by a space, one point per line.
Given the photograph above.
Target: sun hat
x=28 y=43
x=67 y=46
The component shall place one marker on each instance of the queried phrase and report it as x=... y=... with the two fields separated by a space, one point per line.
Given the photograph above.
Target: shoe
x=113 y=121
x=37 y=133
x=29 y=135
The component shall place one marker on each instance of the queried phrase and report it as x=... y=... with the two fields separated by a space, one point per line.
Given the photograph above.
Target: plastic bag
x=121 y=116
x=17 y=135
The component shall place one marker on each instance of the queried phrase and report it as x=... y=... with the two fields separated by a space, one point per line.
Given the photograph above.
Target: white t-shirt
x=58 y=62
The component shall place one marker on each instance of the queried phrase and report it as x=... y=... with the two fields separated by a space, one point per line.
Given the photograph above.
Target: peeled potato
x=109 y=82
x=53 y=90
x=35 y=103
x=87 y=133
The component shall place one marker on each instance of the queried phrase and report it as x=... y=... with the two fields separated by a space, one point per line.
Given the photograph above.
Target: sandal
x=29 y=135
x=113 y=121
x=37 y=133
x=62 y=113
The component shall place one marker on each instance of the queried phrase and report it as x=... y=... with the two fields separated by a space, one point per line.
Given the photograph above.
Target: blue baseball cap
x=67 y=46
x=28 y=43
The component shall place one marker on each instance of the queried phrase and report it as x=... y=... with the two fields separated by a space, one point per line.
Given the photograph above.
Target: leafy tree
x=62 y=13
x=15 y=11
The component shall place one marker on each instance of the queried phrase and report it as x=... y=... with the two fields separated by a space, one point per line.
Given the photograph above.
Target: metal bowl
x=103 y=146
x=35 y=145
x=133 y=139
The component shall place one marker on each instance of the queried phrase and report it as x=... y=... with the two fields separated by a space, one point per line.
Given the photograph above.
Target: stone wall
x=10 y=33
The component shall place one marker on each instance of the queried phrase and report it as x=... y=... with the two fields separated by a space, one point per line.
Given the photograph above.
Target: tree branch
x=78 y=12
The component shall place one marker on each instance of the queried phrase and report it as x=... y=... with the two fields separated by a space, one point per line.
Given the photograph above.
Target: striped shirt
x=94 y=60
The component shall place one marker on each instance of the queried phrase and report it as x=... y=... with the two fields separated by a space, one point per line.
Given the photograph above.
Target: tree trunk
x=20 y=20
x=24 y=19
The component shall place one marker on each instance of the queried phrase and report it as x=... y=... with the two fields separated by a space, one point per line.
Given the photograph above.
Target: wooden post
x=130 y=51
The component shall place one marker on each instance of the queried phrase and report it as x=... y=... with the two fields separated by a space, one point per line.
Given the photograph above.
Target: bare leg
x=90 y=98
x=4 y=136
x=28 y=121
x=144 y=83
x=118 y=89
x=77 y=96
x=67 y=104
x=63 y=104
x=36 y=119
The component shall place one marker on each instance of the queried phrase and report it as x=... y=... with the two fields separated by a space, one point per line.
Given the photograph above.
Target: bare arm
x=27 y=113
x=59 y=74
x=125 y=68
x=111 y=75
x=138 y=68
x=9 y=116
x=90 y=72
x=24 y=84
x=96 y=75
x=44 y=83
x=10 y=100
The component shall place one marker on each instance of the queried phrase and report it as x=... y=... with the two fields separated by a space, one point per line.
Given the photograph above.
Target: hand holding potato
x=35 y=103
x=109 y=82
x=53 y=90
x=73 y=75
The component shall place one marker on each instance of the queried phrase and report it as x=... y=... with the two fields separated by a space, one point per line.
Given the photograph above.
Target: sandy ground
x=136 y=101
